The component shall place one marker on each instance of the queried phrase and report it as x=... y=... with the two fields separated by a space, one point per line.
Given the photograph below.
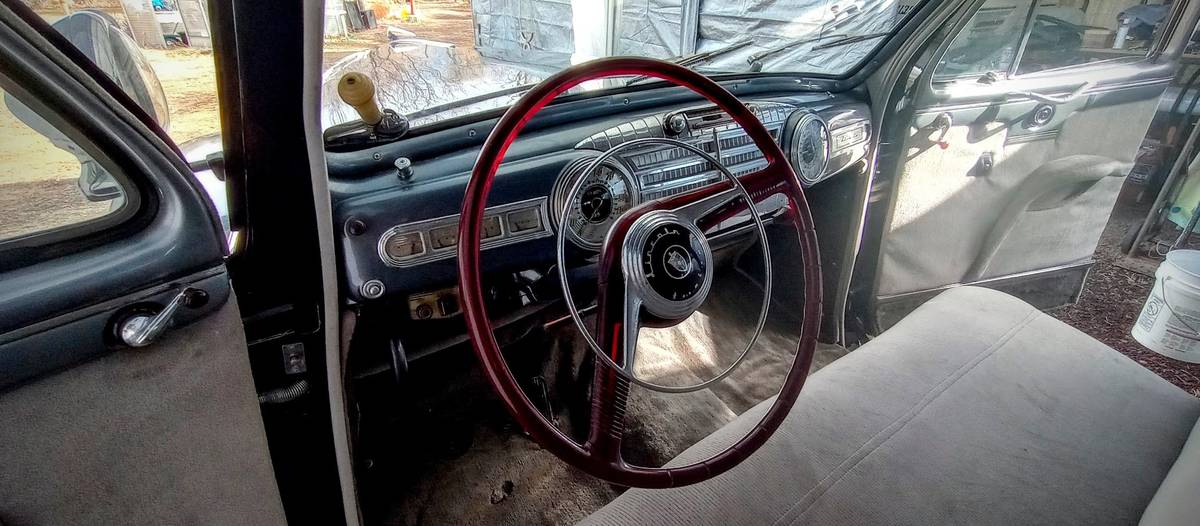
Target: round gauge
x=606 y=193
x=808 y=147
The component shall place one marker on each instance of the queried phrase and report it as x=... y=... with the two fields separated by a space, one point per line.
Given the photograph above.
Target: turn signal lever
x=358 y=91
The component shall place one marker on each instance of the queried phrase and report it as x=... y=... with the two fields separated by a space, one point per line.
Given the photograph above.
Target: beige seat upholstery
x=1178 y=499
x=975 y=409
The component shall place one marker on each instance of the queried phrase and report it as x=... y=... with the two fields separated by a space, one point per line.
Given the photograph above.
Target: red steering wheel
x=600 y=455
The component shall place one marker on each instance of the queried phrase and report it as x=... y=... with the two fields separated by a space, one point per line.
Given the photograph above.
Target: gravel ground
x=34 y=206
x=1113 y=297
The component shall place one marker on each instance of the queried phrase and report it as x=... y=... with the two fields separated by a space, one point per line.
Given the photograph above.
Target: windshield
x=455 y=57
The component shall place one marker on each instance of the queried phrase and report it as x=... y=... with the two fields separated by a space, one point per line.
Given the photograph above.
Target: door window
x=988 y=43
x=47 y=181
x=158 y=53
x=1056 y=34
x=1069 y=33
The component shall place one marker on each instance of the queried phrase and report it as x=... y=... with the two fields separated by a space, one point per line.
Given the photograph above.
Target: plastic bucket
x=1170 y=320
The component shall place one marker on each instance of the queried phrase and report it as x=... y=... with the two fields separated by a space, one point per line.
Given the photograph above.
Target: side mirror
x=100 y=39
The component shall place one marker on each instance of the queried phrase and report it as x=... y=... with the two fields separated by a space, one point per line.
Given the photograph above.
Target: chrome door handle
x=1050 y=99
x=140 y=330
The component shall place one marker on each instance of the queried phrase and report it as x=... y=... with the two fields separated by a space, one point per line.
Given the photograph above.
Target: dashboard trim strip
x=423 y=227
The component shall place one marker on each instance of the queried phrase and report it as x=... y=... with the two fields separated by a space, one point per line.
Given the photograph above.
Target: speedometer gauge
x=606 y=193
x=807 y=147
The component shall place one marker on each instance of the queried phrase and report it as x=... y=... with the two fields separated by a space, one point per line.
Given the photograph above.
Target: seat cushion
x=1176 y=501
x=976 y=408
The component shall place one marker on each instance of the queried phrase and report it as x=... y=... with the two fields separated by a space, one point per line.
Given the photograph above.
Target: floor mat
x=479 y=468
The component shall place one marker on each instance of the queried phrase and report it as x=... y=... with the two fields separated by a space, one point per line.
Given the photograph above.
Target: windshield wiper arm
x=698 y=58
x=851 y=40
x=755 y=60
x=434 y=110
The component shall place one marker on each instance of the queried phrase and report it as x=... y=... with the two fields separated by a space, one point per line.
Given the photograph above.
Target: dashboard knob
x=372 y=289
x=403 y=168
x=676 y=124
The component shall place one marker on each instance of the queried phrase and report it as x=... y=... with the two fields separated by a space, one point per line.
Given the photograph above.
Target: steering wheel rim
x=600 y=455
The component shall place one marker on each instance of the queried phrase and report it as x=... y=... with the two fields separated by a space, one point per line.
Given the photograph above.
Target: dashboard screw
x=377 y=156
x=625 y=101
x=471 y=132
x=372 y=289
x=356 y=227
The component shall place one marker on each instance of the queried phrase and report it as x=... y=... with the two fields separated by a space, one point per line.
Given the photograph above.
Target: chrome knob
x=140 y=330
x=676 y=124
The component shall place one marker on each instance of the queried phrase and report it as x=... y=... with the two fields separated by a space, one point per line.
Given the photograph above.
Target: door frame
x=281 y=270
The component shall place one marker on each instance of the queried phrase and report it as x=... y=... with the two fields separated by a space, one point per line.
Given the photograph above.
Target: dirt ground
x=1113 y=298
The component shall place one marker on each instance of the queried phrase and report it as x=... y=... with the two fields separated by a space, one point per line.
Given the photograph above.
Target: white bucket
x=1170 y=320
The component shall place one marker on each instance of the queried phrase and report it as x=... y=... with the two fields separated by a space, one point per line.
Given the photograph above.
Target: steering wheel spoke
x=701 y=211
x=610 y=390
x=630 y=328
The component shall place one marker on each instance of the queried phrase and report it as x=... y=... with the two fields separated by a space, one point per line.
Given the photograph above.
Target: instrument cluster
x=658 y=170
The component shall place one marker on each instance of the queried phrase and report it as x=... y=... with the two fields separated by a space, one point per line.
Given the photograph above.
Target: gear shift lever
x=358 y=91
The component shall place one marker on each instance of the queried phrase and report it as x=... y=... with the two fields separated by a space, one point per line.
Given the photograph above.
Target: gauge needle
x=595 y=207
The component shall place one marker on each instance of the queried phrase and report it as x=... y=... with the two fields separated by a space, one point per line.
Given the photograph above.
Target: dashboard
x=399 y=229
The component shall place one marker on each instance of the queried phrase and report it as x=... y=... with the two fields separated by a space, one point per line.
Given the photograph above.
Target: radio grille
x=664 y=170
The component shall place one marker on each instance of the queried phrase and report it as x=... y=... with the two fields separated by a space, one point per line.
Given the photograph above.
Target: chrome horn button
x=672 y=263
x=668 y=262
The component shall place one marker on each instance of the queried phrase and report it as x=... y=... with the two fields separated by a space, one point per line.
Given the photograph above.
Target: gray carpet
x=502 y=477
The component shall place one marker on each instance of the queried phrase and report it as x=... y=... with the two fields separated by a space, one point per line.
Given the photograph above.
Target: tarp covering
x=649 y=28
x=533 y=32
x=539 y=32
x=775 y=23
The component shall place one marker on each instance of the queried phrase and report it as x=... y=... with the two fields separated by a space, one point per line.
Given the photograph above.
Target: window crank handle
x=142 y=329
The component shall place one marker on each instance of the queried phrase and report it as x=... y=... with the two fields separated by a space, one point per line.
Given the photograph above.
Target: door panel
x=947 y=204
x=1008 y=181
x=94 y=430
x=165 y=435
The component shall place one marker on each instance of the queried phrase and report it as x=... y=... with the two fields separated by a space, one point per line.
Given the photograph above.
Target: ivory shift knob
x=358 y=91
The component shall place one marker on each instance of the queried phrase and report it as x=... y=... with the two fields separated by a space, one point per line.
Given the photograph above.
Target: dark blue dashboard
x=378 y=214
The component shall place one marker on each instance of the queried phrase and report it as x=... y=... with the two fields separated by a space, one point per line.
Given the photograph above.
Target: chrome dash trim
x=430 y=254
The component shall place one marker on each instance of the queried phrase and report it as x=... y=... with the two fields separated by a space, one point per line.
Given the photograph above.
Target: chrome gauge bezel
x=795 y=140
x=567 y=179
